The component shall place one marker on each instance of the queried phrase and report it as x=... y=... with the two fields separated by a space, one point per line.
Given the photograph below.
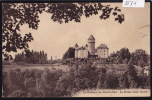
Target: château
x=89 y=50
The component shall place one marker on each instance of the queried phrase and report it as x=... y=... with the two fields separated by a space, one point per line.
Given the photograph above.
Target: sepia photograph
x=82 y=49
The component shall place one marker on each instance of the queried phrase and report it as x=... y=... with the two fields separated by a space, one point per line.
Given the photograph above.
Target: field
x=6 y=68
x=110 y=67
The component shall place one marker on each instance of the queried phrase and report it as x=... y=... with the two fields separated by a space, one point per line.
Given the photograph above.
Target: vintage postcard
x=90 y=49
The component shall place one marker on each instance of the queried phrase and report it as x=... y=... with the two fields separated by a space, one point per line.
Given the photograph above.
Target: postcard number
x=133 y=3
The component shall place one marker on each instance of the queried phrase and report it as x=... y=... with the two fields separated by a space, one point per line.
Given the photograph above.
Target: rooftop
x=91 y=37
x=102 y=46
x=82 y=48
x=76 y=45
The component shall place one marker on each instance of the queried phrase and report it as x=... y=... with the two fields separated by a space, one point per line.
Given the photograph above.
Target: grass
x=110 y=67
x=6 y=68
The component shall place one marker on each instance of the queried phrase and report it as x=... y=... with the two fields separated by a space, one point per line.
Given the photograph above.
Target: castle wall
x=102 y=53
x=89 y=50
x=76 y=53
x=82 y=54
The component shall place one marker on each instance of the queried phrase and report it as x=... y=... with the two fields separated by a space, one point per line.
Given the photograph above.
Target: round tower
x=91 y=45
x=76 y=50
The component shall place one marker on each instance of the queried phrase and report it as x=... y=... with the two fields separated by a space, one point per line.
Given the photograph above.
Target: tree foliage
x=58 y=83
x=14 y=15
x=123 y=56
x=33 y=57
x=111 y=81
x=70 y=53
x=131 y=76
x=140 y=58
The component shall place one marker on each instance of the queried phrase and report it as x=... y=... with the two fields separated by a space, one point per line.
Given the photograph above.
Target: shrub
x=18 y=93
x=101 y=78
x=16 y=80
x=144 y=81
x=131 y=77
x=49 y=81
x=5 y=84
x=64 y=85
x=56 y=83
x=123 y=82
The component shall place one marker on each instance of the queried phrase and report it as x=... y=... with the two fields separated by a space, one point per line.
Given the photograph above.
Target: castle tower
x=91 y=45
x=86 y=47
x=76 y=50
x=102 y=51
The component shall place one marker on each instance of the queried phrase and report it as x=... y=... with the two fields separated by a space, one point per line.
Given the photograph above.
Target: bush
x=111 y=81
x=123 y=82
x=144 y=81
x=131 y=75
x=101 y=78
x=18 y=93
x=16 y=80
x=56 y=83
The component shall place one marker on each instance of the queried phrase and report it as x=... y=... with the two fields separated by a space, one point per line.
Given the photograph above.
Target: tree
x=50 y=79
x=70 y=53
x=143 y=81
x=64 y=85
x=14 y=15
x=101 y=77
x=125 y=54
x=15 y=80
x=140 y=58
x=121 y=56
x=123 y=82
x=111 y=81
x=131 y=76
x=34 y=58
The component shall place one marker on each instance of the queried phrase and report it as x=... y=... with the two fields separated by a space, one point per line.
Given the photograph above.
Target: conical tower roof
x=91 y=37
x=76 y=45
x=86 y=45
x=102 y=46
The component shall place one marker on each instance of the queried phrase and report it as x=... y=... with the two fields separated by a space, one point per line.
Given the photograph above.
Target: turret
x=76 y=46
x=86 y=47
x=102 y=51
x=91 y=45
x=76 y=50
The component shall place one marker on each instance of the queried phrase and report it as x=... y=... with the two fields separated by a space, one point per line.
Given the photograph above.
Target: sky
x=54 y=38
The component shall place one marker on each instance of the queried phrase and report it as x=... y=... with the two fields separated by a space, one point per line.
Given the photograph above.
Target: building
x=89 y=50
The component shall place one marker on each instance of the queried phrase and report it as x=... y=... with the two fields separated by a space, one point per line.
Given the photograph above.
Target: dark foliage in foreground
x=57 y=83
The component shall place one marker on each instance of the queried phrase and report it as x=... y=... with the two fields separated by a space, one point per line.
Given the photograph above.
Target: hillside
x=118 y=68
